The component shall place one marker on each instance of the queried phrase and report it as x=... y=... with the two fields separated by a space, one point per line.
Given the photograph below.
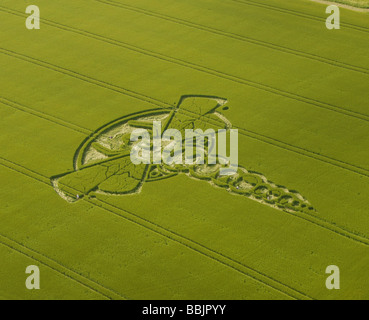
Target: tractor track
x=183 y=63
x=44 y=116
x=238 y=37
x=209 y=253
x=100 y=83
x=298 y=14
x=310 y=218
x=250 y=134
x=223 y=259
x=54 y=265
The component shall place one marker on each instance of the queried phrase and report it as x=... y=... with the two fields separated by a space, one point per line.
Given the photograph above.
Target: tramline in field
x=77 y=214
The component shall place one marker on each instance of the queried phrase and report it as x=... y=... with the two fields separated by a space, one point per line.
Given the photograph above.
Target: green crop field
x=99 y=227
x=354 y=3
